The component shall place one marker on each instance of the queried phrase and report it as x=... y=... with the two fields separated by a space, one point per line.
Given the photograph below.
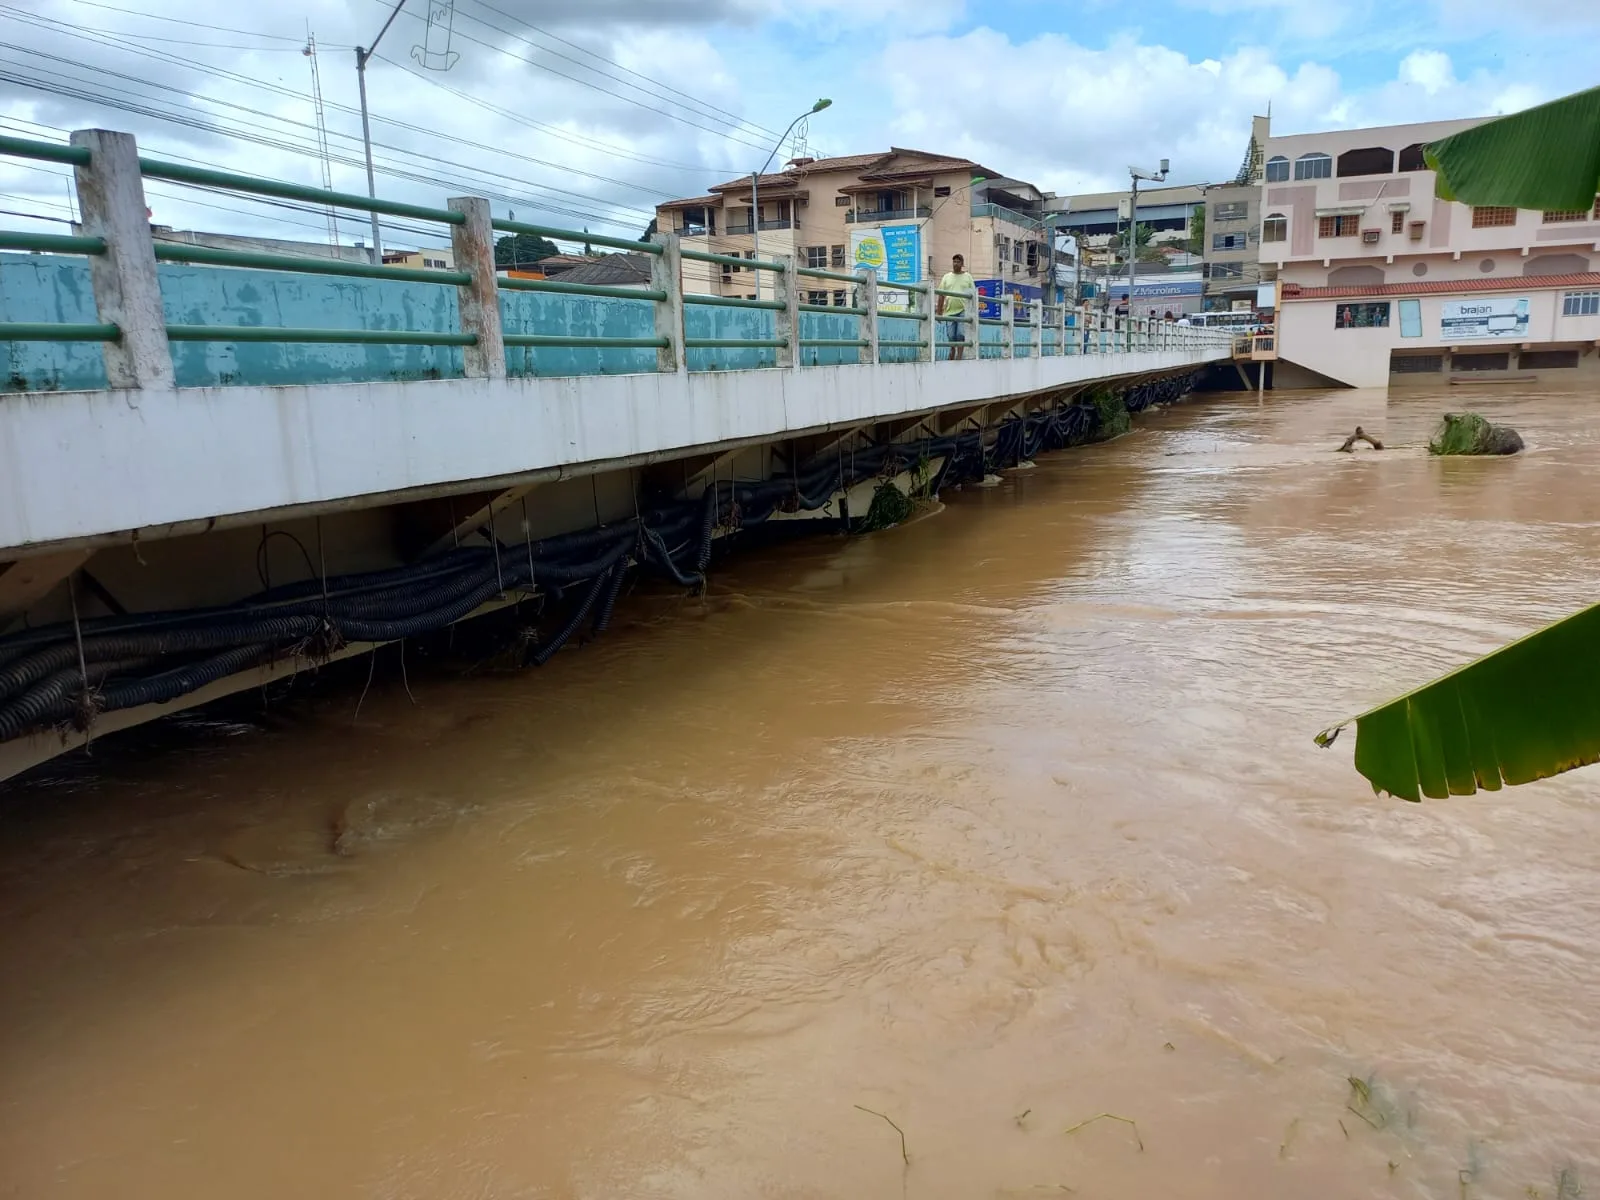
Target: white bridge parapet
x=87 y=468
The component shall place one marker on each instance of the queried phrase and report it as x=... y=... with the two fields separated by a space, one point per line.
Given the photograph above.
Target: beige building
x=1381 y=282
x=819 y=210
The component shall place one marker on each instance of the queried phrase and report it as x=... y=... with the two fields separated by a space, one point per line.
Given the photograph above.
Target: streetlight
x=1133 y=222
x=755 y=183
x=362 y=55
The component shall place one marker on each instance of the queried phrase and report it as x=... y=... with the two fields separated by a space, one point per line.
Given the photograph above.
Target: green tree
x=1197 y=230
x=650 y=231
x=522 y=250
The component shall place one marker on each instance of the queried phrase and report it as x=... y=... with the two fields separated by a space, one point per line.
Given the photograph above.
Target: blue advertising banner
x=902 y=246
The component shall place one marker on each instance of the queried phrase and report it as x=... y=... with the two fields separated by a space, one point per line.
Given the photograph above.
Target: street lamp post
x=362 y=55
x=755 y=183
x=1133 y=223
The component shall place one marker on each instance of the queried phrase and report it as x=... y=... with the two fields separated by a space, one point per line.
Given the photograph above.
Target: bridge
x=220 y=466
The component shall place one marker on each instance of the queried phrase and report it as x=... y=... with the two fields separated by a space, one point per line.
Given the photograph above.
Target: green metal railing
x=1080 y=333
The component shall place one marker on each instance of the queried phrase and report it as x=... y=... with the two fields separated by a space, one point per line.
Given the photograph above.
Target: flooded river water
x=989 y=824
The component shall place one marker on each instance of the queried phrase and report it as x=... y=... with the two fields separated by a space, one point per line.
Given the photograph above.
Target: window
x=836 y=256
x=1345 y=226
x=1580 y=304
x=1415 y=364
x=1315 y=165
x=1547 y=360
x=1410 y=318
x=1575 y=214
x=1480 y=362
x=1277 y=169
x=1227 y=271
x=816 y=256
x=838 y=298
x=941 y=191
x=1397 y=221
x=1275 y=228
x=433 y=262
x=841 y=201
x=1411 y=158
x=1371 y=160
x=1234 y=210
x=1228 y=241
x=1495 y=215
x=1016 y=251
x=1366 y=315
x=815 y=297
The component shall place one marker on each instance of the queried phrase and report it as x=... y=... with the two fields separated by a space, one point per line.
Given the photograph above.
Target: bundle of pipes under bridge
x=63 y=675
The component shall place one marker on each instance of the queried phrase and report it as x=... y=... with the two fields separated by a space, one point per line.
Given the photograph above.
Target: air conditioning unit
x=1416 y=228
x=1369 y=237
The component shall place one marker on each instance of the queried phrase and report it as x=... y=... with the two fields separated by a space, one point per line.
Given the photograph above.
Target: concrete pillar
x=927 y=305
x=666 y=275
x=1036 y=319
x=478 y=300
x=1009 y=332
x=974 y=315
x=127 y=293
x=788 y=318
x=869 y=322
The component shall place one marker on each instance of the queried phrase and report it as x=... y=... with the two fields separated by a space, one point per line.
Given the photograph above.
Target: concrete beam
x=27 y=581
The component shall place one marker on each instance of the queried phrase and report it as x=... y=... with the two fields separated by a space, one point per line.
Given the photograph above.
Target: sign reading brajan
x=1500 y=317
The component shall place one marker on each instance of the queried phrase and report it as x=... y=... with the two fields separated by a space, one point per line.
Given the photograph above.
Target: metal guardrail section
x=136 y=337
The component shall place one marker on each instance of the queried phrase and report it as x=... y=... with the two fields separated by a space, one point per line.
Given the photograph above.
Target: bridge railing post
x=666 y=275
x=975 y=312
x=1036 y=319
x=1009 y=331
x=127 y=292
x=1061 y=327
x=788 y=318
x=869 y=319
x=926 y=306
x=478 y=300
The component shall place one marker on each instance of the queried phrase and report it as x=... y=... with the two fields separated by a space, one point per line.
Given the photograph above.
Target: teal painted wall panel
x=47 y=287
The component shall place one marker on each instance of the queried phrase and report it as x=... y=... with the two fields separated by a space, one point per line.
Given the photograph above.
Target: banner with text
x=894 y=254
x=1500 y=317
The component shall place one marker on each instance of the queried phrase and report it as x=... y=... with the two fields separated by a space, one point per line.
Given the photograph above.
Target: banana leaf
x=1527 y=711
x=1543 y=158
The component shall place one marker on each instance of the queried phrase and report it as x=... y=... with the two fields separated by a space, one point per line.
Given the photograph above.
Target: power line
x=589 y=84
x=150 y=16
x=80 y=89
x=162 y=56
x=711 y=111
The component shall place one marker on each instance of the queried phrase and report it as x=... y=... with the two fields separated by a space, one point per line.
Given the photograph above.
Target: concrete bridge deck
x=187 y=406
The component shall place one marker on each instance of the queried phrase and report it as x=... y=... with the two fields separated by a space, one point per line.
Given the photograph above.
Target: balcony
x=766 y=226
x=1001 y=213
x=887 y=214
x=689 y=231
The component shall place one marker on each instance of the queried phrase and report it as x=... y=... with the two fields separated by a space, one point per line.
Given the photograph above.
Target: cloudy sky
x=583 y=114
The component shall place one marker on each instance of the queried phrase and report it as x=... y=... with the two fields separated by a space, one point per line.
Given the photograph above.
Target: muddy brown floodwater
x=989 y=824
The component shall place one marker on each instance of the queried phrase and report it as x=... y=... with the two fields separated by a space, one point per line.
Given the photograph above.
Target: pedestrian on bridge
x=950 y=308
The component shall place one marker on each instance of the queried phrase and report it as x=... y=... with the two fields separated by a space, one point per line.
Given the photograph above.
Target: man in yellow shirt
x=955 y=280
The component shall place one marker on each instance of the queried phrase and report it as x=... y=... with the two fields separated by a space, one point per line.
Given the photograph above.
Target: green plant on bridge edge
x=1529 y=710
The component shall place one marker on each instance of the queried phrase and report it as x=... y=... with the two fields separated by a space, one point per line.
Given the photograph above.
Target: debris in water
x=895 y=1127
x=1105 y=1116
x=1359 y=435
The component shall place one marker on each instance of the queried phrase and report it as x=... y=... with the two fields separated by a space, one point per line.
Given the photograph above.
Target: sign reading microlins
x=893 y=253
x=1460 y=320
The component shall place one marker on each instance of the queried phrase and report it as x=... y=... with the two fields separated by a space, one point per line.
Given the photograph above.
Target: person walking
x=950 y=308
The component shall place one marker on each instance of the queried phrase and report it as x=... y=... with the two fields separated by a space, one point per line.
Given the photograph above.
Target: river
x=989 y=824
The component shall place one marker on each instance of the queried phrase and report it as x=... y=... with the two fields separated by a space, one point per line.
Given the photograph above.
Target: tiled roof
x=855 y=162
x=691 y=202
x=1581 y=279
x=613 y=268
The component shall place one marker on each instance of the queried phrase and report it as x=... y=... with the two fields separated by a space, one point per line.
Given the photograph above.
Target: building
x=1098 y=222
x=438 y=257
x=905 y=212
x=612 y=270
x=1382 y=282
x=356 y=253
x=1233 y=272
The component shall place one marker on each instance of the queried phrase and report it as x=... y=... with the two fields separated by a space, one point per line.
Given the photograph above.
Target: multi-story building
x=1098 y=221
x=1233 y=229
x=1381 y=282
x=907 y=209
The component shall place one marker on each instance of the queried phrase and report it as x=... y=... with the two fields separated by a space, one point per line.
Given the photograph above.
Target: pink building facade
x=1383 y=284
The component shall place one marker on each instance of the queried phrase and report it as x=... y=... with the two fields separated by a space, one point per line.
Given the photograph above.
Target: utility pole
x=1133 y=222
x=362 y=57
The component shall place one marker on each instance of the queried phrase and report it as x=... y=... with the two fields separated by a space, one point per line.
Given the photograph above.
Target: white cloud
x=1429 y=70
